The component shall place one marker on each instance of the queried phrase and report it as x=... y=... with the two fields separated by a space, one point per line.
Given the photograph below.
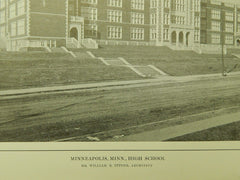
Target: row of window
x=216 y=14
x=137 y=18
x=153 y=18
x=166 y=19
x=115 y=3
x=135 y=4
x=216 y=26
x=89 y=13
x=154 y=3
x=178 y=19
x=196 y=5
x=178 y=5
x=196 y=35
x=197 y=21
x=89 y=1
x=216 y=39
x=114 y=16
x=17 y=9
x=115 y=32
x=17 y=27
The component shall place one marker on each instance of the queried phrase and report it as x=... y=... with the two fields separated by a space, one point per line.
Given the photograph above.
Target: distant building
x=179 y=24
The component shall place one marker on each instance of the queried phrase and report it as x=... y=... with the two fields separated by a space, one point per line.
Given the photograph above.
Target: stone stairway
x=148 y=71
x=115 y=62
x=83 y=55
x=143 y=71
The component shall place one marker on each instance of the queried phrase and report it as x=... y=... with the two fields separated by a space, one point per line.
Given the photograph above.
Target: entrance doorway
x=181 y=37
x=187 y=38
x=74 y=33
x=174 y=37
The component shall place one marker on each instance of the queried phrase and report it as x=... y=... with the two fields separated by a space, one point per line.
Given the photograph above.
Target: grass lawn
x=229 y=132
x=21 y=70
x=172 y=62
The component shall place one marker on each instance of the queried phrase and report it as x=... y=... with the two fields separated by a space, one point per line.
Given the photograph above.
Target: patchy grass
x=229 y=132
x=172 y=62
x=22 y=70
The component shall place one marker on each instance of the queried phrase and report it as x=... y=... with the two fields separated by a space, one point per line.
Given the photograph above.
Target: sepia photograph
x=119 y=70
x=120 y=89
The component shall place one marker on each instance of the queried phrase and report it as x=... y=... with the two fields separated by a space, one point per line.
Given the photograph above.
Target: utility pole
x=222 y=40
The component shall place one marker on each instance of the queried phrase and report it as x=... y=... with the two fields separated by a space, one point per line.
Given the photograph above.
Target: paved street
x=48 y=114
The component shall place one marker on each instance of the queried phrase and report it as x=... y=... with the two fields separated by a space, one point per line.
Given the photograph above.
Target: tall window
x=167 y=3
x=166 y=19
x=165 y=34
x=196 y=35
x=20 y=7
x=216 y=14
x=90 y=30
x=215 y=38
x=178 y=5
x=89 y=1
x=137 y=33
x=229 y=27
x=153 y=34
x=13 y=28
x=89 y=13
x=197 y=21
x=21 y=27
x=216 y=26
x=228 y=39
x=137 y=4
x=196 y=5
x=115 y=3
x=153 y=18
x=178 y=19
x=12 y=11
x=114 y=16
x=137 y=18
x=229 y=16
x=153 y=3
x=114 y=32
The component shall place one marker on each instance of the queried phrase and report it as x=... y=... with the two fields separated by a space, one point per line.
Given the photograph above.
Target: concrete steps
x=83 y=55
x=115 y=62
x=143 y=71
x=148 y=71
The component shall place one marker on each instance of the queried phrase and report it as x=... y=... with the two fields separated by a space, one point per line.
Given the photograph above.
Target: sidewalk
x=180 y=130
x=161 y=80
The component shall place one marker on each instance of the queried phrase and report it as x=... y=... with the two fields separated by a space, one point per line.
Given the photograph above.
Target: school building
x=180 y=24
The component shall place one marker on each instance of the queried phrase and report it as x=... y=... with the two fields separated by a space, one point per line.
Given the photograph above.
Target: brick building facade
x=179 y=24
